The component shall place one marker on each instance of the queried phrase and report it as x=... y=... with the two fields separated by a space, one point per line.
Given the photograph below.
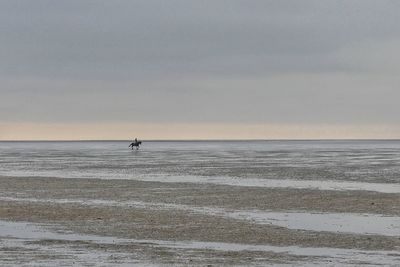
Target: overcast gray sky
x=200 y=62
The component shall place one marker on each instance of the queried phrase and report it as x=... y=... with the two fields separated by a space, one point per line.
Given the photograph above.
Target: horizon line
x=203 y=140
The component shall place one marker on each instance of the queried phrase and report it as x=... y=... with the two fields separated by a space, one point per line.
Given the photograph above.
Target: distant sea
x=315 y=164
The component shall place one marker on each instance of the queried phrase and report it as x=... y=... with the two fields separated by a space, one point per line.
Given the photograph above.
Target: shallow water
x=350 y=161
x=278 y=183
x=352 y=223
x=21 y=234
x=19 y=237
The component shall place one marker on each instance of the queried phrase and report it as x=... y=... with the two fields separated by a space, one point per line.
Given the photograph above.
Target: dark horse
x=136 y=144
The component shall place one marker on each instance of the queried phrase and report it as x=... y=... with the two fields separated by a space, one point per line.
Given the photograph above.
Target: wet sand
x=131 y=222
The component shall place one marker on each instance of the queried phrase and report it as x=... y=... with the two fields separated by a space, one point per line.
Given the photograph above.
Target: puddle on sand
x=17 y=248
x=332 y=255
x=20 y=252
x=353 y=223
x=33 y=231
x=278 y=183
x=15 y=234
x=329 y=185
x=368 y=224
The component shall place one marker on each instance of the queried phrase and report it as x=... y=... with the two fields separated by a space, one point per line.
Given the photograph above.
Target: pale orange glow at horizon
x=186 y=131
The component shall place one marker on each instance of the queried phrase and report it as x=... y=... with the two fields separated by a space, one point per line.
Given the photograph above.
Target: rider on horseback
x=136 y=143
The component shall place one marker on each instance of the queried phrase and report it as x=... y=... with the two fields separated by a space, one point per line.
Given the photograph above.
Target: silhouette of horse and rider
x=136 y=144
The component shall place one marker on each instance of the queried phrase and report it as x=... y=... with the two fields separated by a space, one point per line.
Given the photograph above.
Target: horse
x=136 y=144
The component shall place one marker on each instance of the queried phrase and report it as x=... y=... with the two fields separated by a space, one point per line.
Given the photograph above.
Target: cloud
x=246 y=62
x=132 y=39
x=379 y=58
x=295 y=98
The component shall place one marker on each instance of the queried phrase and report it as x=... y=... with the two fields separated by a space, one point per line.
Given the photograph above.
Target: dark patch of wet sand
x=177 y=225
x=230 y=197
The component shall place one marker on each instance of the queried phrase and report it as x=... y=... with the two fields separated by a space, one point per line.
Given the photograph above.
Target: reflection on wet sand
x=281 y=183
x=27 y=236
x=318 y=203
x=331 y=222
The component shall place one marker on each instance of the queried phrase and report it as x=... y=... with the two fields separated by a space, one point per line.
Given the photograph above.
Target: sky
x=209 y=69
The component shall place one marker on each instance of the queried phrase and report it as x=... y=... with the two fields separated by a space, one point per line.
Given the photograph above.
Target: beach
x=199 y=133
x=200 y=204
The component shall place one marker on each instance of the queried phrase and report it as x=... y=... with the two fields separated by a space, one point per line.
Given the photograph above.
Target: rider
x=135 y=143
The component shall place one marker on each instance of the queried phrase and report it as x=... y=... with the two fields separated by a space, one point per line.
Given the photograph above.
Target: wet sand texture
x=127 y=222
